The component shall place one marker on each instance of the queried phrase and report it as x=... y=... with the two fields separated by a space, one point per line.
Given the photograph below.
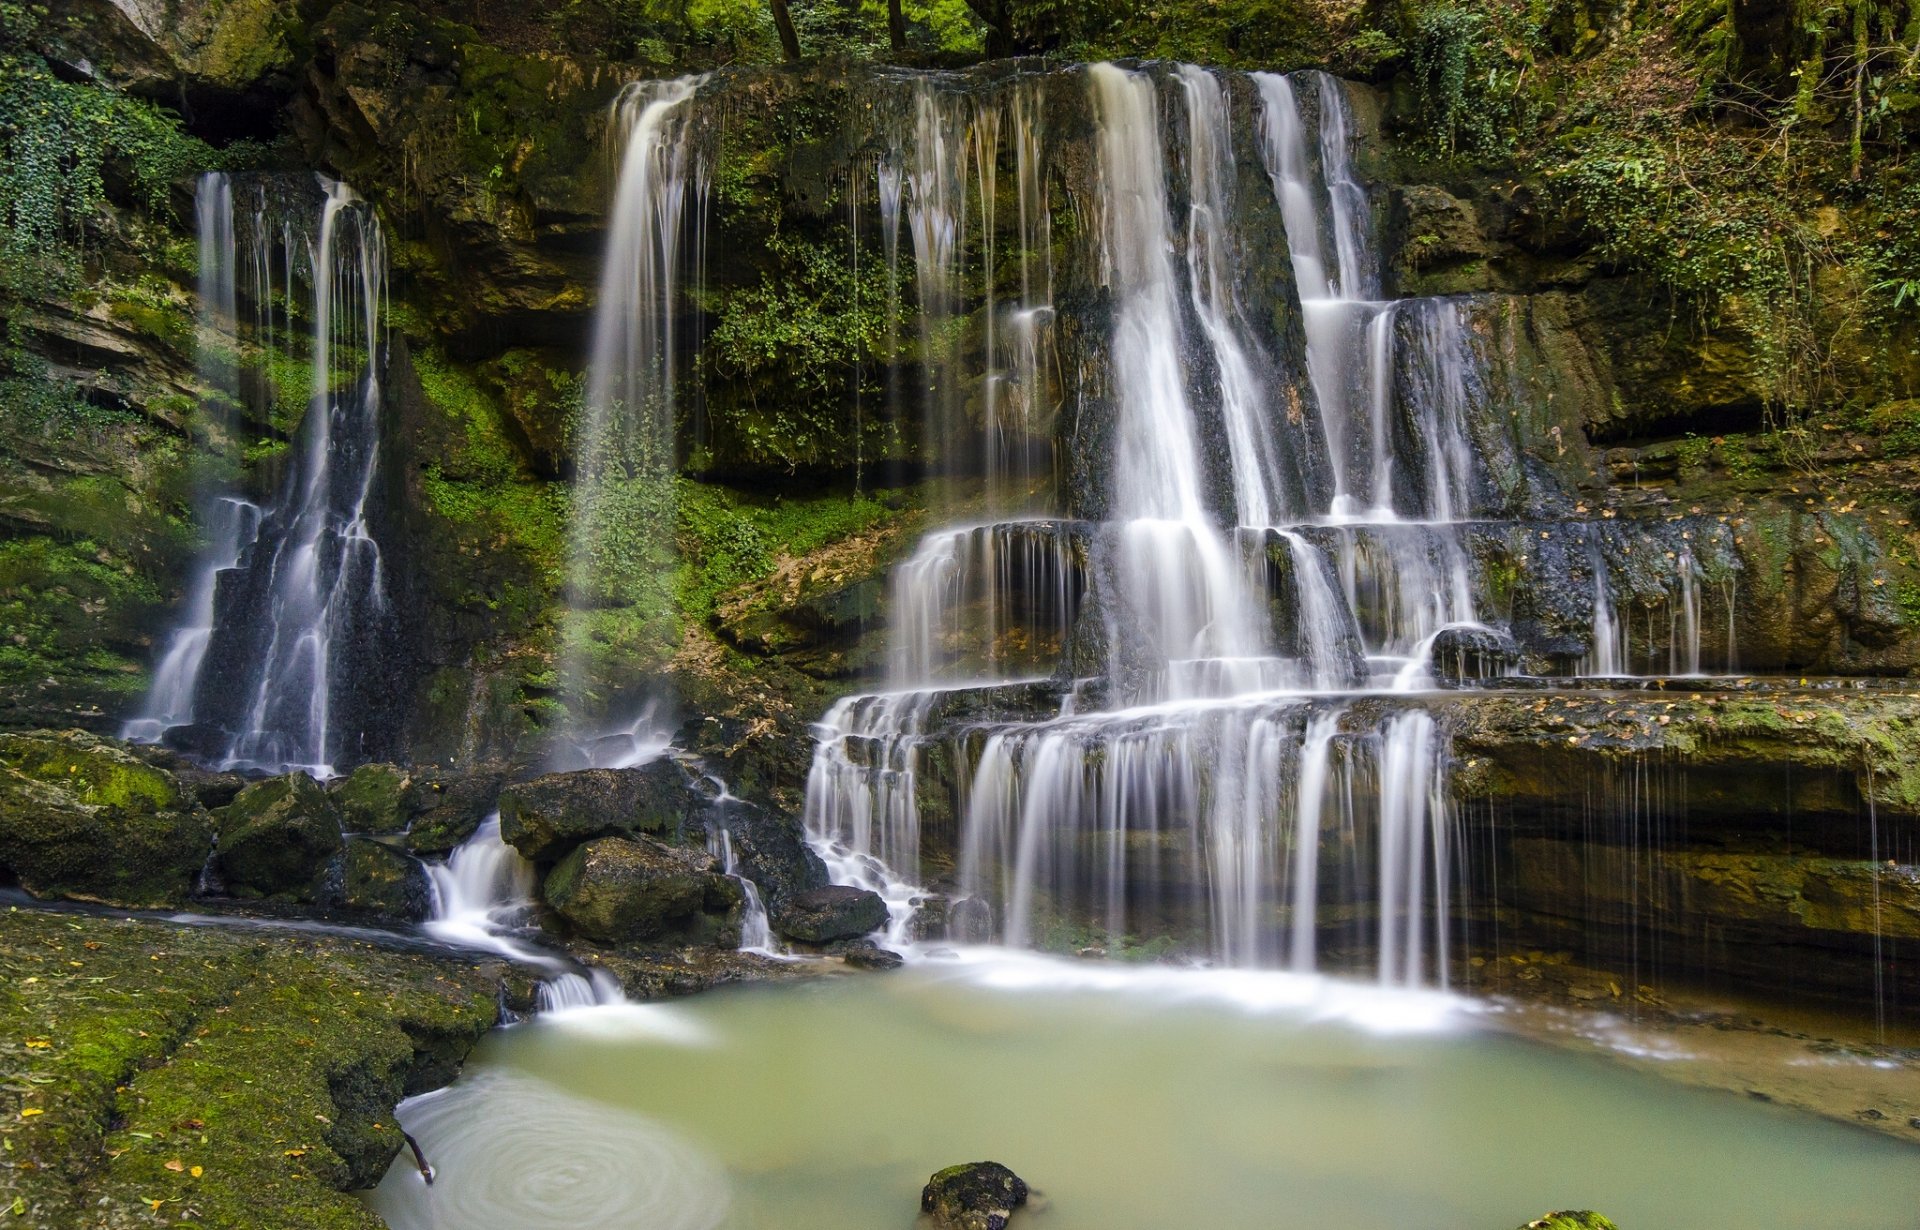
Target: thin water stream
x=1129 y=1097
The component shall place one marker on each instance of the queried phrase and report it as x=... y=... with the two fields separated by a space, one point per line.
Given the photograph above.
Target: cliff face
x=1674 y=405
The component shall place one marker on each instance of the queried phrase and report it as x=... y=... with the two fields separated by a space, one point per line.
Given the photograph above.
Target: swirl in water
x=553 y=1160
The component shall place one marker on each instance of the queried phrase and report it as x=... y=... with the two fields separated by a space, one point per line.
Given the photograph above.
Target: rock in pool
x=972 y=1196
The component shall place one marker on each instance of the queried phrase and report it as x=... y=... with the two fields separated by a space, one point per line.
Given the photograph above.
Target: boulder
x=446 y=811
x=277 y=837
x=836 y=912
x=371 y=879
x=770 y=849
x=82 y=817
x=373 y=799
x=1584 y=1219
x=973 y=1196
x=865 y=954
x=636 y=890
x=548 y=816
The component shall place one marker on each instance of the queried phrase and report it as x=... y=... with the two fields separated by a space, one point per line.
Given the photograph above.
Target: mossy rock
x=371 y=879
x=83 y=818
x=446 y=811
x=1571 y=1220
x=277 y=837
x=642 y=891
x=548 y=816
x=248 y=1079
x=972 y=1196
x=373 y=799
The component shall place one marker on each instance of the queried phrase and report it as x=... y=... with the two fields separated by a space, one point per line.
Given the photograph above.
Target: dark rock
x=82 y=817
x=865 y=954
x=970 y=921
x=836 y=912
x=277 y=837
x=372 y=879
x=974 y=1196
x=1461 y=655
x=373 y=799
x=770 y=849
x=621 y=890
x=446 y=811
x=548 y=816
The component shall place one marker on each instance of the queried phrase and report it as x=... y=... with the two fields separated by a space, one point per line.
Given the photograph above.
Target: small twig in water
x=419 y=1158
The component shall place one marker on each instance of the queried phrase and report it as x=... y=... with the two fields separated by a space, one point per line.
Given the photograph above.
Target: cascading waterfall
x=1205 y=773
x=280 y=658
x=230 y=522
x=483 y=898
x=623 y=510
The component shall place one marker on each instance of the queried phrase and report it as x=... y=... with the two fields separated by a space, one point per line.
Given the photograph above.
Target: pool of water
x=1129 y=1098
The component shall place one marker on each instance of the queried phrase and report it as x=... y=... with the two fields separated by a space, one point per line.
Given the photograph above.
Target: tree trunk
x=789 y=39
x=896 y=27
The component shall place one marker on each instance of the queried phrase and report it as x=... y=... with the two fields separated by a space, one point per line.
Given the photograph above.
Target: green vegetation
x=212 y=1077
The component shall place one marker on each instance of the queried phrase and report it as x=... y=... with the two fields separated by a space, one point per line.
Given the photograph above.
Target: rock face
x=973 y=1196
x=84 y=818
x=277 y=837
x=546 y=817
x=640 y=891
x=770 y=850
x=823 y=915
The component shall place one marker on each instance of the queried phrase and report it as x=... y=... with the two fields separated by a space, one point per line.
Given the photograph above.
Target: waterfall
x=1212 y=779
x=228 y=522
x=1212 y=263
x=278 y=662
x=1171 y=578
x=483 y=897
x=622 y=529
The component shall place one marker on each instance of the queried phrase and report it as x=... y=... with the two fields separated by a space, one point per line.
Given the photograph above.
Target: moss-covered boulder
x=277 y=837
x=641 y=891
x=1583 y=1219
x=374 y=799
x=446 y=811
x=370 y=879
x=972 y=1196
x=546 y=817
x=84 y=818
x=836 y=912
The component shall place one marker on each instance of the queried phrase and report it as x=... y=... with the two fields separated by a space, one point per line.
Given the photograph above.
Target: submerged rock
x=548 y=816
x=836 y=912
x=277 y=837
x=1584 y=1219
x=621 y=890
x=84 y=818
x=973 y=1196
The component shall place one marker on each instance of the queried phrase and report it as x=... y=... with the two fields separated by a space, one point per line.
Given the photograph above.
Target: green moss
x=93 y=777
x=210 y=1077
x=72 y=614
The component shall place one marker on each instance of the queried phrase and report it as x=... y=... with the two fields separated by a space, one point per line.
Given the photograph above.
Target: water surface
x=1130 y=1098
